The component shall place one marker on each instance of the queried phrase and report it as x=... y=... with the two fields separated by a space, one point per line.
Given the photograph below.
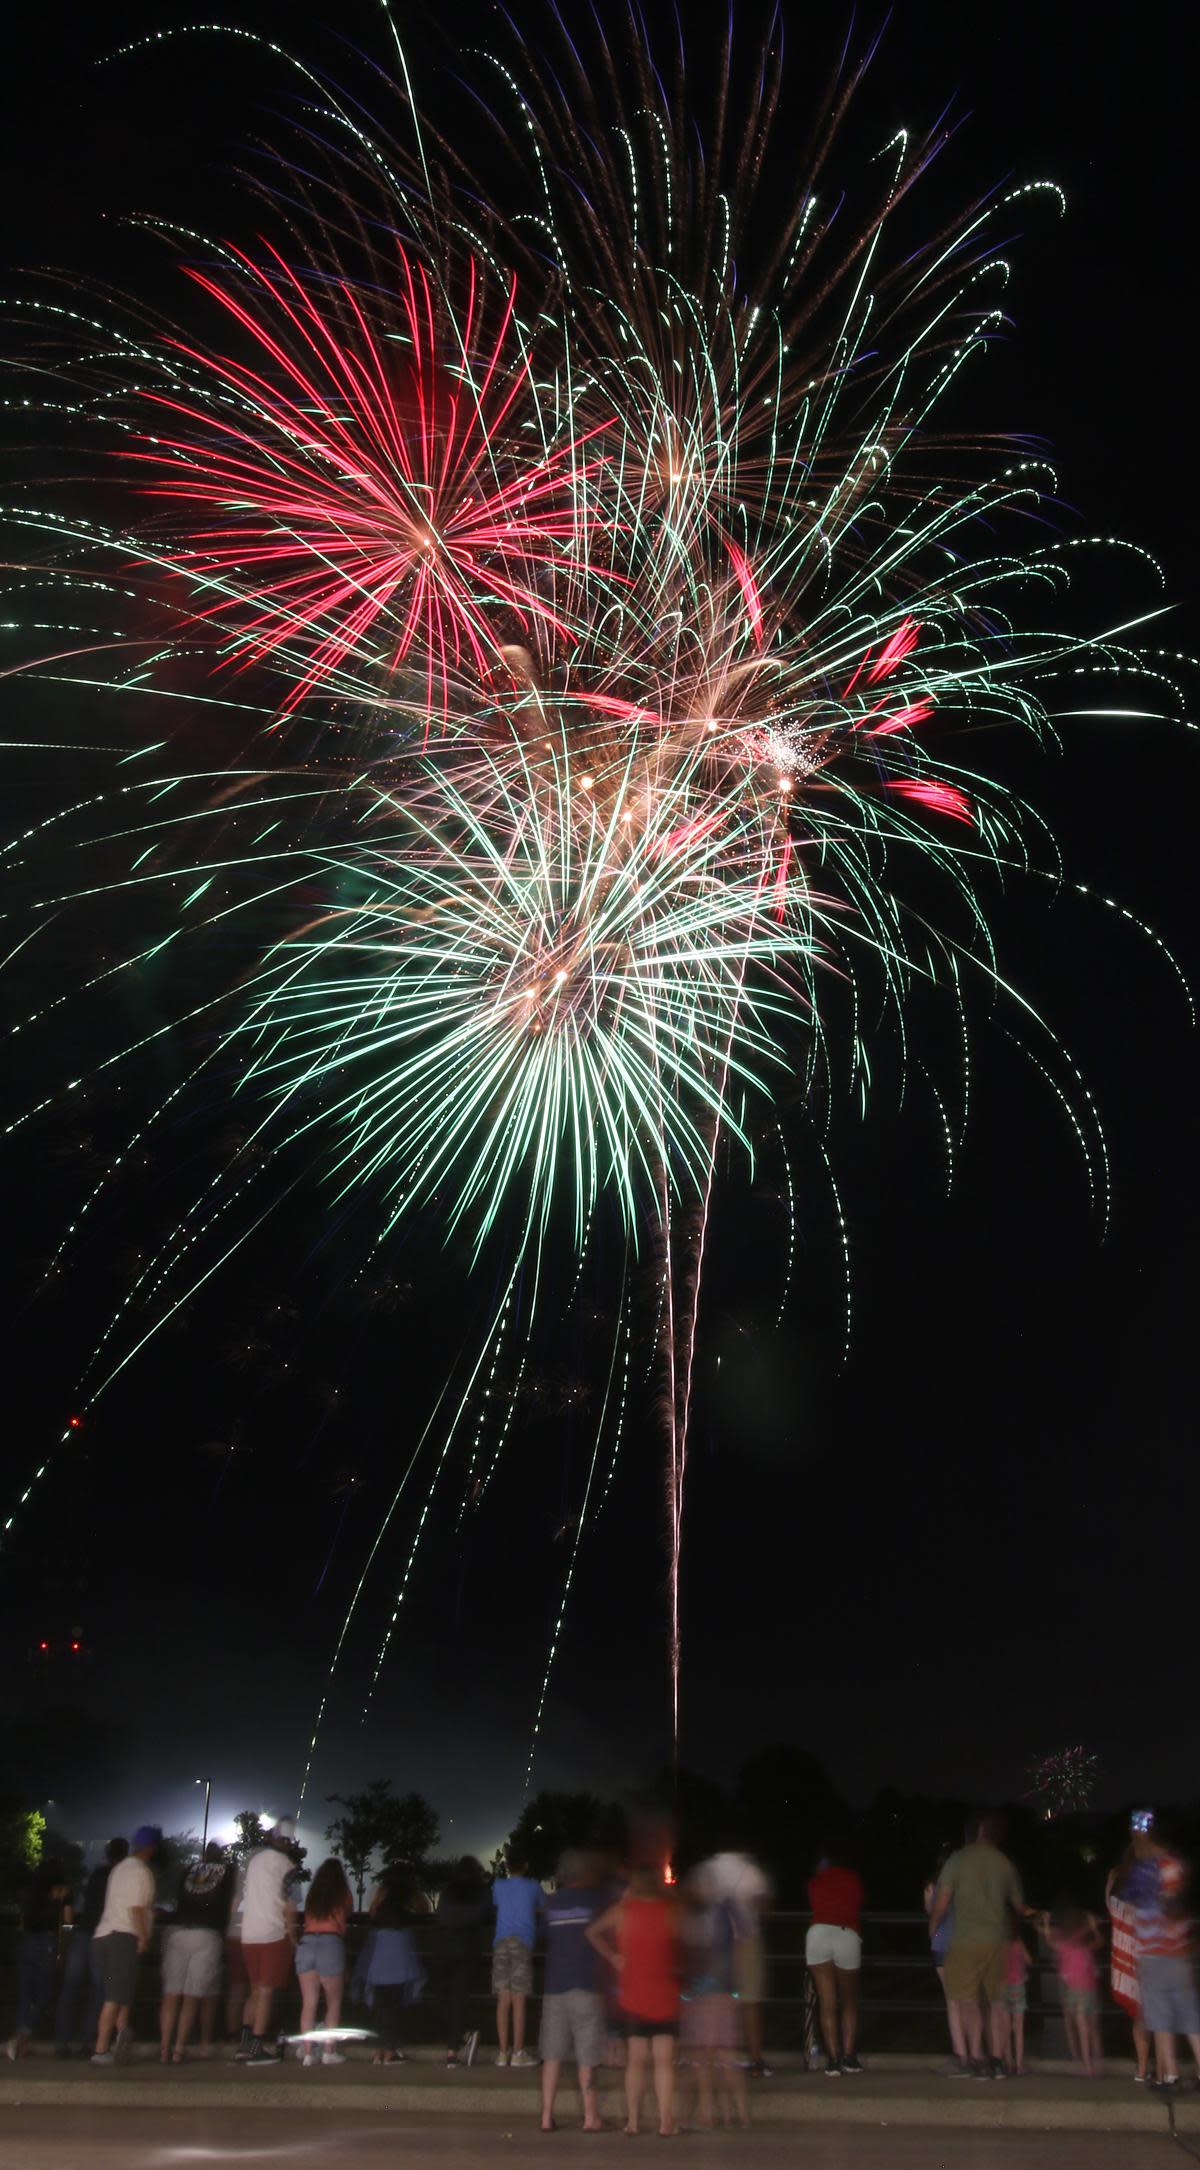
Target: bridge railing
x=901 y=1999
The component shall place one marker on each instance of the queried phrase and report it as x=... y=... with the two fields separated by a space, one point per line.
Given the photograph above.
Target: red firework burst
x=370 y=485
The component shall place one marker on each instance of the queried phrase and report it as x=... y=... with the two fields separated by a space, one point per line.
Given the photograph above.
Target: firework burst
x=1063 y=1782
x=627 y=625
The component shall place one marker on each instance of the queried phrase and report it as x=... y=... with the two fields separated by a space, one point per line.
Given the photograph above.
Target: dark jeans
x=457 y=1986
x=78 y=2014
x=35 y=1977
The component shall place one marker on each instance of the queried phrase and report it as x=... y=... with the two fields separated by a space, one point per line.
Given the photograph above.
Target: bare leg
x=310 y=1990
x=109 y=2016
x=518 y=2011
x=1194 y=2046
x=187 y=2020
x=1018 y=2035
x=958 y=2032
x=998 y=2030
x=846 y=1979
x=503 y=2008
x=752 y=2023
x=827 y=2001
x=733 y=2085
x=638 y=2052
x=1141 y=2049
x=167 y=2011
x=970 y=2022
x=334 y=1989
x=704 y=2087
x=208 y=2021
x=551 y=2068
x=591 y=2108
x=261 y=2001
x=1164 y=2055
x=663 y=2046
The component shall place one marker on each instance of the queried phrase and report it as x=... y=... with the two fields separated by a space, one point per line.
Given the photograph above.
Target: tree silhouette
x=401 y=1829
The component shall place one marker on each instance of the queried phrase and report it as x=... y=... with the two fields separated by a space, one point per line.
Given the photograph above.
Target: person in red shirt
x=833 y=1951
x=639 y=1937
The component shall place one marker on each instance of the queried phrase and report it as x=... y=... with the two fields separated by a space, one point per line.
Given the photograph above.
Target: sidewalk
x=894 y=2091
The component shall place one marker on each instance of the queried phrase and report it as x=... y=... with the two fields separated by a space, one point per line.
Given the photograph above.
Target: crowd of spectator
x=640 y=1970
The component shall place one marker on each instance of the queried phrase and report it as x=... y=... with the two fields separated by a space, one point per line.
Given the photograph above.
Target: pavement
x=55 y=2137
x=896 y=2092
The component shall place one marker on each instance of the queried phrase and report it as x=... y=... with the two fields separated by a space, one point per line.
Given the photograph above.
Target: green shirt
x=984 y=1885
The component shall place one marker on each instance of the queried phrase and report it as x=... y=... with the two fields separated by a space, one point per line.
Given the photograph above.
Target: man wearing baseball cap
x=119 y=1938
x=268 y=1937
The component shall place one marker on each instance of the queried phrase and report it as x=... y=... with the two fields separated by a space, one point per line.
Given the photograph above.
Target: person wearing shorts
x=268 y=1937
x=710 y=2019
x=639 y=1936
x=321 y=1960
x=833 y=1955
x=982 y=1887
x=192 y=1950
x=1008 y=2007
x=1165 y=1941
x=573 y=2017
x=517 y=1900
x=1170 y=2004
x=120 y=1937
x=739 y=1881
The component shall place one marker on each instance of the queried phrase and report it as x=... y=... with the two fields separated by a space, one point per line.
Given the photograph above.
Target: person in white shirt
x=738 y=1880
x=119 y=1938
x=268 y=1937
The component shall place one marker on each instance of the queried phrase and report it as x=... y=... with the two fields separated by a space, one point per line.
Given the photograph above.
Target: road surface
x=62 y=2138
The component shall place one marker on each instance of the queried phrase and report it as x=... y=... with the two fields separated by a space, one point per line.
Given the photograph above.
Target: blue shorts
x=1167 y=1987
x=320 y=1952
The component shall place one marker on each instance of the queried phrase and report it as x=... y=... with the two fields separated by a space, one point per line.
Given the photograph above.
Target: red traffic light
x=43 y=1646
x=75 y=1424
x=76 y=1646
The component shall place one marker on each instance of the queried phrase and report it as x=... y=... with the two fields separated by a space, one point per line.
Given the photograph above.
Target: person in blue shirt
x=517 y=1900
x=574 y=2022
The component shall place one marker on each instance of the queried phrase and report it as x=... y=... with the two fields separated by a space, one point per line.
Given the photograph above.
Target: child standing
x=1010 y=2008
x=639 y=1937
x=517 y=1900
x=1074 y=1938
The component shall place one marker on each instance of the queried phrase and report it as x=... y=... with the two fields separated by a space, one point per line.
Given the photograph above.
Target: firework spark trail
x=580 y=1525
x=624 y=623
x=681 y=1412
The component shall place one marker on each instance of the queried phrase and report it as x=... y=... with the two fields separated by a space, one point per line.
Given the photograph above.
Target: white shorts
x=843 y=1946
x=191 y=1963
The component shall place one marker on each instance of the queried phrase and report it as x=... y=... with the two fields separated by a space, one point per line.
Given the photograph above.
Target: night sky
x=973 y=1542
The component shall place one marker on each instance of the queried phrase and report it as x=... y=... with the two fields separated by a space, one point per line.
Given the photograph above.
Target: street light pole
x=207 y=1785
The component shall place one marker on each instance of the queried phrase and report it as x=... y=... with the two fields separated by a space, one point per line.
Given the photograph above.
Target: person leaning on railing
x=833 y=1952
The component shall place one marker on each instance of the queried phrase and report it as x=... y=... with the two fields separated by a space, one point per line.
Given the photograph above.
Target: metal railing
x=901 y=1999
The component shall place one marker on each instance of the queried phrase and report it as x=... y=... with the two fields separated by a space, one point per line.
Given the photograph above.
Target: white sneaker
x=309 y=2059
x=332 y=2057
x=502 y=2059
x=524 y=2057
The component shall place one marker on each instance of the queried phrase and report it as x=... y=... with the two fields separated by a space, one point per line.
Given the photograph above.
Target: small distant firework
x=1063 y=1782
